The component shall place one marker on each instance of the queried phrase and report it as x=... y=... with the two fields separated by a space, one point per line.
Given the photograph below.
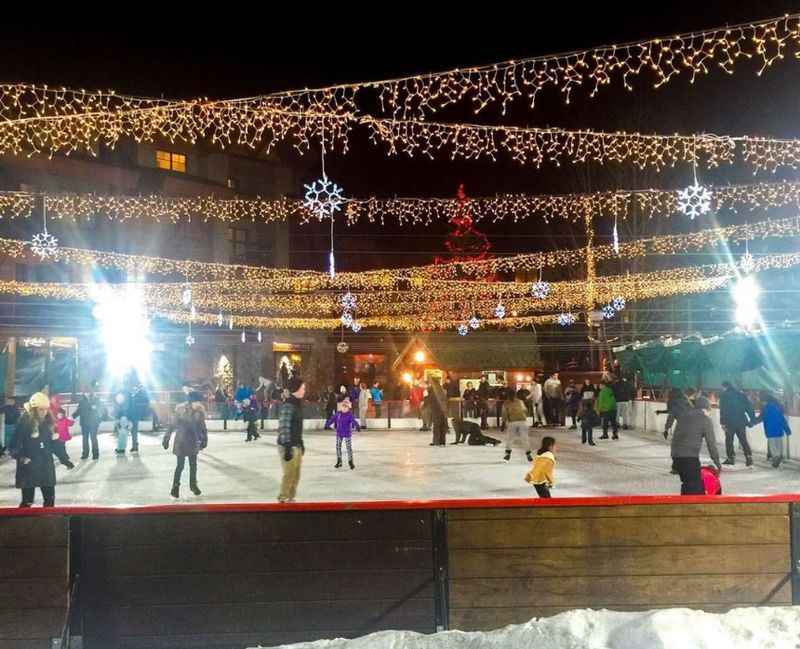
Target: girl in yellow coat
x=542 y=473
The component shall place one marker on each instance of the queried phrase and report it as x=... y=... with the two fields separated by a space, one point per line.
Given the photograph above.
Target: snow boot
x=591 y=443
x=352 y=466
x=176 y=491
x=507 y=456
x=748 y=461
x=729 y=462
x=605 y=436
x=85 y=456
x=338 y=464
x=529 y=456
x=135 y=449
x=615 y=436
x=195 y=489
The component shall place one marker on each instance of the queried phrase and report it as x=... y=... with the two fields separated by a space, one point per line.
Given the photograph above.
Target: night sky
x=244 y=55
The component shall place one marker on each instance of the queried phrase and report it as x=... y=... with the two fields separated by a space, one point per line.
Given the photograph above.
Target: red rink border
x=388 y=505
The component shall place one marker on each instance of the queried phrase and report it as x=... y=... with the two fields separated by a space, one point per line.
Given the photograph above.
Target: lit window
x=171 y=161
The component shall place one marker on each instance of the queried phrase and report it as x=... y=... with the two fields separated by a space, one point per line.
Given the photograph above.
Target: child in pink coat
x=62 y=425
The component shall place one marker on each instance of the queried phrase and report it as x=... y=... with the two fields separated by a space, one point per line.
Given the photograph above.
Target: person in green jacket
x=607 y=407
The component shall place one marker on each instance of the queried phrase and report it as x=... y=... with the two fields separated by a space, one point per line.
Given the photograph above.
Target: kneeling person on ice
x=515 y=417
x=345 y=425
x=542 y=473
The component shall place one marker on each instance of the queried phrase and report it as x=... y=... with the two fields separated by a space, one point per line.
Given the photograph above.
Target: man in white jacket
x=536 y=402
x=554 y=400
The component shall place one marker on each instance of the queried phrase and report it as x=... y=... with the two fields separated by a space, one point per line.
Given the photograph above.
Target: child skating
x=250 y=415
x=542 y=473
x=191 y=436
x=345 y=425
x=589 y=419
x=62 y=426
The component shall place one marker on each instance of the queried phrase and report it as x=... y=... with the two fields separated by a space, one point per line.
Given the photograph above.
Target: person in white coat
x=536 y=402
x=364 y=397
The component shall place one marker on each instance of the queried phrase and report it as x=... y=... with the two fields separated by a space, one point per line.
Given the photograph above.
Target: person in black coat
x=735 y=415
x=35 y=443
x=470 y=432
x=191 y=436
x=90 y=413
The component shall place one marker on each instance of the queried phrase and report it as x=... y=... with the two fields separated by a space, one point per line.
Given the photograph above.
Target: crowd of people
x=39 y=432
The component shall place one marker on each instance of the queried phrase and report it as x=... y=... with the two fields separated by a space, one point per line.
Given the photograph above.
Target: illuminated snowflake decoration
x=499 y=312
x=220 y=319
x=694 y=200
x=474 y=322
x=323 y=198
x=618 y=303
x=462 y=330
x=44 y=245
x=356 y=327
x=186 y=296
x=566 y=319
x=348 y=301
x=540 y=290
x=189 y=340
x=347 y=319
x=747 y=263
x=609 y=312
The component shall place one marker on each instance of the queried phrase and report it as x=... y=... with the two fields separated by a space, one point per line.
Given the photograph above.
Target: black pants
x=741 y=434
x=439 y=430
x=609 y=417
x=377 y=405
x=48 y=496
x=574 y=415
x=135 y=434
x=688 y=469
x=87 y=433
x=176 y=481
x=252 y=432
x=542 y=490
x=554 y=411
x=586 y=434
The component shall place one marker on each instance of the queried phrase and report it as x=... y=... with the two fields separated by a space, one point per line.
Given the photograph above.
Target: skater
x=693 y=427
x=553 y=401
x=364 y=397
x=90 y=413
x=377 y=398
x=775 y=427
x=35 y=443
x=250 y=416
x=542 y=473
x=122 y=429
x=677 y=404
x=191 y=437
x=711 y=483
x=290 y=440
x=437 y=404
x=536 y=403
x=138 y=407
x=483 y=402
x=589 y=419
x=61 y=427
x=623 y=393
x=468 y=398
x=572 y=400
x=470 y=432
x=345 y=424
x=515 y=416
x=355 y=391
x=330 y=405
x=735 y=415
x=607 y=407
x=11 y=415
x=416 y=395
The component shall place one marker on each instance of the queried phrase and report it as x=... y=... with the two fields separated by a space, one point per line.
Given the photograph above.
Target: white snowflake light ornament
x=747 y=263
x=347 y=319
x=462 y=329
x=566 y=319
x=189 y=340
x=355 y=327
x=618 y=303
x=609 y=312
x=348 y=301
x=500 y=312
x=43 y=245
x=323 y=198
x=540 y=290
x=474 y=322
x=694 y=200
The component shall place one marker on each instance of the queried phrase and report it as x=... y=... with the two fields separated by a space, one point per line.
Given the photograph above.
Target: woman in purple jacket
x=345 y=425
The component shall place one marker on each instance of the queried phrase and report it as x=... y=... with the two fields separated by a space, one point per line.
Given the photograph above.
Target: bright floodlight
x=124 y=329
x=419 y=356
x=745 y=294
x=407 y=377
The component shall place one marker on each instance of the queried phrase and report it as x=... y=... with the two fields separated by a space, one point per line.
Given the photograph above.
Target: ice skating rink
x=396 y=464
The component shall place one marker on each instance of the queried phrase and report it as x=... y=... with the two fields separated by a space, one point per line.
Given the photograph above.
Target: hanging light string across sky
x=693 y=54
x=650 y=203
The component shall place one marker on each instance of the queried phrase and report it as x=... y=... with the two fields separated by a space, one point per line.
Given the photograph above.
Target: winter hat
x=39 y=400
x=345 y=405
x=701 y=403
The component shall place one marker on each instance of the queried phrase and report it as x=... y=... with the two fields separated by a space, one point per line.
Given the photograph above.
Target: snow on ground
x=744 y=628
x=395 y=464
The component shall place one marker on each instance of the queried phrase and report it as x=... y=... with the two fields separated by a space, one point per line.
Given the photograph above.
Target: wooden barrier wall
x=237 y=580
x=509 y=565
x=213 y=578
x=34 y=566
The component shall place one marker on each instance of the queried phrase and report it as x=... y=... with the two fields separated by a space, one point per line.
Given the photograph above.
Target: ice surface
x=744 y=628
x=396 y=464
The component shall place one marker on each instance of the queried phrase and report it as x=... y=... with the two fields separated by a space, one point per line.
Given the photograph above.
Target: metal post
x=794 y=522
x=389 y=414
x=441 y=578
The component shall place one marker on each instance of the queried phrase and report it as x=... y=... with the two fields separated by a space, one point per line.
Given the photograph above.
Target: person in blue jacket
x=775 y=427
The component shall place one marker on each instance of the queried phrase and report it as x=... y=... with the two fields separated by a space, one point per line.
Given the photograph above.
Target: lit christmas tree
x=464 y=242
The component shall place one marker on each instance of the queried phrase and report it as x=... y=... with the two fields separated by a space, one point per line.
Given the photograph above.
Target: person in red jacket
x=711 y=483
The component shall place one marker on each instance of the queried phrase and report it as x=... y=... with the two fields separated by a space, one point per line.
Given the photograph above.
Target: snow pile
x=744 y=628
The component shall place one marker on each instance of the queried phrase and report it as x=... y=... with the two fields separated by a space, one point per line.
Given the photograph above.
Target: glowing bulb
x=419 y=356
x=407 y=378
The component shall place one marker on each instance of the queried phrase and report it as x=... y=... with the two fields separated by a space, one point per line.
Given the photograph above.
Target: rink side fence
x=236 y=575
